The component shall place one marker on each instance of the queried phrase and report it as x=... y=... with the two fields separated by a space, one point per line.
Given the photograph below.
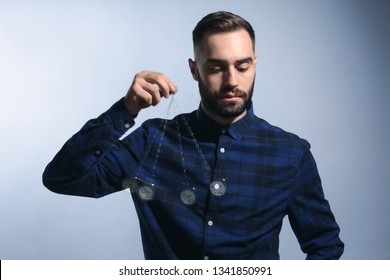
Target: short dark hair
x=221 y=22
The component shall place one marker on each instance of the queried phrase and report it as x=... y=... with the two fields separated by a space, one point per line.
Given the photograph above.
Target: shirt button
x=98 y=152
x=127 y=125
x=210 y=223
x=223 y=130
x=222 y=150
x=206 y=258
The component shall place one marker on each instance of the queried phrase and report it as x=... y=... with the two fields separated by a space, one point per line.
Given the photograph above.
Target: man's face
x=224 y=67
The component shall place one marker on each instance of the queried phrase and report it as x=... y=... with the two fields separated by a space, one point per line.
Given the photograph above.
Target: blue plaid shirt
x=268 y=173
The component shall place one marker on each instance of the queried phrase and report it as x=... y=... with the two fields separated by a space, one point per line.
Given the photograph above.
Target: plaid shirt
x=268 y=174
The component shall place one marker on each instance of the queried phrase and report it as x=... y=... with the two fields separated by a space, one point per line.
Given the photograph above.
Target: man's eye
x=215 y=69
x=242 y=68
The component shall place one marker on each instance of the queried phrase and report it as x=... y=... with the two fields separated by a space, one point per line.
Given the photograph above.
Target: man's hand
x=146 y=90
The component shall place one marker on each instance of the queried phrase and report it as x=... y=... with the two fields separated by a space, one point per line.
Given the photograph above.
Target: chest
x=256 y=174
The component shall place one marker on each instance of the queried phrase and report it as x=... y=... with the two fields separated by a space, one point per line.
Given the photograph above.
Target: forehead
x=225 y=46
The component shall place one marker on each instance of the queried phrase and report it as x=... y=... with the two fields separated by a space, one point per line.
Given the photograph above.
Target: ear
x=193 y=69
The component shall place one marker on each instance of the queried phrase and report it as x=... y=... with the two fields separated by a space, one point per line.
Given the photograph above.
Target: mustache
x=231 y=92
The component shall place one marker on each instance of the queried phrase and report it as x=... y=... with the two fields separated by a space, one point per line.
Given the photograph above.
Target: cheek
x=247 y=81
x=211 y=82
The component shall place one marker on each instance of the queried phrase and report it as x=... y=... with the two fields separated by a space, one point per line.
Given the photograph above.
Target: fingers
x=161 y=82
x=147 y=89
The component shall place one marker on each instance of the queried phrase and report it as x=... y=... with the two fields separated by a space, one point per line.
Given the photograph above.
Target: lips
x=231 y=93
x=230 y=96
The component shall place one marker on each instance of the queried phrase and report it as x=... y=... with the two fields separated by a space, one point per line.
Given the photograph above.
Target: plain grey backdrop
x=323 y=73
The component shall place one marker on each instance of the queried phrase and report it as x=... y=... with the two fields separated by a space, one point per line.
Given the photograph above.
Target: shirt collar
x=235 y=130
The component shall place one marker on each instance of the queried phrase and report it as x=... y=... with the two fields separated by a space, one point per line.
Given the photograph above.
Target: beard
x=225 y=109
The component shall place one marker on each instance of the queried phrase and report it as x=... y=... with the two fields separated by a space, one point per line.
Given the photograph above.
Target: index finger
x=165 y=85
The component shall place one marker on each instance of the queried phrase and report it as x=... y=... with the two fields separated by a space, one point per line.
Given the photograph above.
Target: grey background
x=323 y=74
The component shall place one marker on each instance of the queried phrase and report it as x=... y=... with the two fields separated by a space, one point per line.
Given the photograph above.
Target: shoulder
x=279 y=135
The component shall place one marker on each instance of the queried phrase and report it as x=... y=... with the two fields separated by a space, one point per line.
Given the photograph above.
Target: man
x=212 y=184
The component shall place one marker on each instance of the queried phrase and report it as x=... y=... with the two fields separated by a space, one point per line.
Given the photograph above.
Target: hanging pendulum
x=146 y=192
x=188 y=197
x=218 y=188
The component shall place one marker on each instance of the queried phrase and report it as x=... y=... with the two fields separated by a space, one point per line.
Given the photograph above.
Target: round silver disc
x=188 y=197
x=218 y=188
x=146 y=192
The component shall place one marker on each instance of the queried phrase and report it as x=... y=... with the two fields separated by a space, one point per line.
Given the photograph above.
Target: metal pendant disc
x=146 y=192
x=218 y=188
x=188 y=197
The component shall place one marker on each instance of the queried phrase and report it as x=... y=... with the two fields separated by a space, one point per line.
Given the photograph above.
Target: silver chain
x=173 y=106
x=196 y=144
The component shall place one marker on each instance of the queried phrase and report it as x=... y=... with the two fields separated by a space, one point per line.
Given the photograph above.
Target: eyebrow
x=221 y=61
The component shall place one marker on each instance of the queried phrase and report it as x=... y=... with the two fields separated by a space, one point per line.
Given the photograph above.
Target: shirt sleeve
x=93 y=161
x=310 y=215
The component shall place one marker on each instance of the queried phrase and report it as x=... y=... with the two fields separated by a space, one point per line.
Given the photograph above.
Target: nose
x=230 y=78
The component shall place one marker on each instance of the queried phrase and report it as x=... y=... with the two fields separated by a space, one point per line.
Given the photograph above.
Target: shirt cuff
x=120 y=117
